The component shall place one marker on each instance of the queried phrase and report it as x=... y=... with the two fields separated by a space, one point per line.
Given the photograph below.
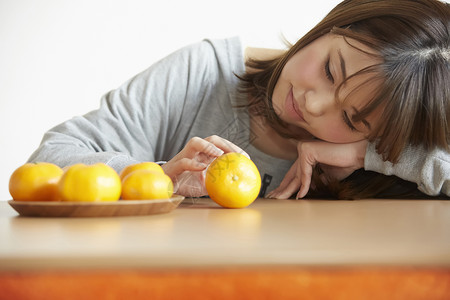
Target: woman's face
x=304 y=96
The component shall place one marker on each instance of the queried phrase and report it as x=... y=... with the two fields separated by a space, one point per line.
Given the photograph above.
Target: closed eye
x=347 y=121
x=328 y=72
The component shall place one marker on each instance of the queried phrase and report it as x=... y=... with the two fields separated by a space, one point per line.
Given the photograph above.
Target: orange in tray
x=89 y=183
x=145 y=184
x=233 y=180
x=148 y=165
x=35 y=182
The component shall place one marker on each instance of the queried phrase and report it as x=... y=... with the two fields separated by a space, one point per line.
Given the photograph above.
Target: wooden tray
x=96 y=209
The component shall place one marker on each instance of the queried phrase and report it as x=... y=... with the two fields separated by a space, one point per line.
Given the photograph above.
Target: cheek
x=335 y=135
x=335 y=132
x=277 y=95
x=302 y=68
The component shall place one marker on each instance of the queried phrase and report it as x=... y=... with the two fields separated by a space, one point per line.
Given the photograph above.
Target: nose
x=317 y=104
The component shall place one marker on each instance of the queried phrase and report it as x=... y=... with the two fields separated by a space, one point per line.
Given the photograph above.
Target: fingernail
x=273 y=194
x=218 y=151
x=277 y=196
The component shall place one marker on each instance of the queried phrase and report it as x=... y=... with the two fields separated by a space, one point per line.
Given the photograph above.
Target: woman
x=337 y=89
x=409 y=45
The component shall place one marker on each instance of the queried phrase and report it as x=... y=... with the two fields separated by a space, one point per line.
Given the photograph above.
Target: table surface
x=269 y=232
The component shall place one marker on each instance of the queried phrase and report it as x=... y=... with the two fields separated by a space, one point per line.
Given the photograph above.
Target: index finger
x=225 y=145
x=198 y=145
x=306 y=174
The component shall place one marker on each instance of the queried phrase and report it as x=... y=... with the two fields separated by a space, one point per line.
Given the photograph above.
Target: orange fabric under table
x=259 y=283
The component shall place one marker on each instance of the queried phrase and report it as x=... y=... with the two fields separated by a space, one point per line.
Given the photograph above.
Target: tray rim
x=84 y=209
x=98 y=203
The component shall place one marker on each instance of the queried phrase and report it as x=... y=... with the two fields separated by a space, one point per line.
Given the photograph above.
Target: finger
x=281 y=191
x=204 y=158
x=191 y=184
x=285 y=182
x=289 y=175
x=173 y=169
x=306 y=170
x=290 y=189
x=305 y=184
x=196 y=145
x=225 y=145
x=295 y=183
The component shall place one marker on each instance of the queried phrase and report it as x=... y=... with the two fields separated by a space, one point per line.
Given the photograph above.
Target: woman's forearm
x=430 y=170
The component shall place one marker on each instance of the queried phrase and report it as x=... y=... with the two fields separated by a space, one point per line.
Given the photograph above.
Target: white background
x=58 y=57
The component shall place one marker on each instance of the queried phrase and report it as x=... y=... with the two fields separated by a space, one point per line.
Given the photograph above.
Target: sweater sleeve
x=429 y=170
x=139 y=121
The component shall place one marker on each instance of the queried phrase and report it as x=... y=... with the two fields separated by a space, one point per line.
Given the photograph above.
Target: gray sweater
x=193 y=92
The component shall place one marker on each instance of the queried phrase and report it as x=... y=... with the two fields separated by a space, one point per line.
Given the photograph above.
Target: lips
x=296 y=107
x=292 y=108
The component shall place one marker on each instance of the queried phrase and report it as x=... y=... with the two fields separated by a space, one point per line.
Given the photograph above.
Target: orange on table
x=233 y=180
x=145 y=184
x=35 y=182
x=148 y=165
x=90 y=183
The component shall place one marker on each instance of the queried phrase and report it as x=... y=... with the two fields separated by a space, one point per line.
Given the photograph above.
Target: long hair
x=412 y=41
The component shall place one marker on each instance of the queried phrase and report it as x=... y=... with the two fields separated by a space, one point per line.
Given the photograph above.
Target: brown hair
x=412 y=40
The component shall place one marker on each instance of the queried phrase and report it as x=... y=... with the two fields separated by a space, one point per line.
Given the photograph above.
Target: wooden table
x=274 y=249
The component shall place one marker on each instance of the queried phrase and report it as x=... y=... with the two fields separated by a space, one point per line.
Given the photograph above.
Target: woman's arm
x=337 y=160
x=149 y=118
x=139 y=121
x=429 y=170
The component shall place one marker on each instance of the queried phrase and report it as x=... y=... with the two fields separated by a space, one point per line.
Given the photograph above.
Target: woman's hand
x=336 y=160
x=187 y=169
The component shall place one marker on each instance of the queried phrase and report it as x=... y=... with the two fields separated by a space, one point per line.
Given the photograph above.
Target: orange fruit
x=35 y=182
x=90 y=183
x=145 y=184
x=148 y=165
x=233 y=181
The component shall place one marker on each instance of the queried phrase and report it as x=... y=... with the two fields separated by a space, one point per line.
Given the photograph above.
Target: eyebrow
x=342 y=61
x=364 y=121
